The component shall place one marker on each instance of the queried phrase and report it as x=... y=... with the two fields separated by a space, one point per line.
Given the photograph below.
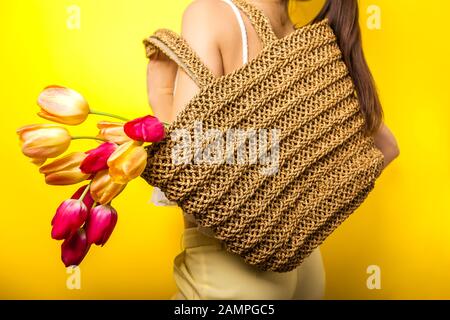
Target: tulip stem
x=85 y=191
x=88 y=137
x=106 y=114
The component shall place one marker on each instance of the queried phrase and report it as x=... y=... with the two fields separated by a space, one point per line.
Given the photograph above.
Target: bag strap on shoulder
x=177 y=49
x=259 y=21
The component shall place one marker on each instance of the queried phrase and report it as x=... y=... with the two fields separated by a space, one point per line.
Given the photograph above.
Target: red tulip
x=100 y=224
x=97 y=158
x=75 y=248
x=69 y=217
x=147 y=129
x=88 y=201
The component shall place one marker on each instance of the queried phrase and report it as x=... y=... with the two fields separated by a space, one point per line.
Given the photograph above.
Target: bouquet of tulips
x=87 y=217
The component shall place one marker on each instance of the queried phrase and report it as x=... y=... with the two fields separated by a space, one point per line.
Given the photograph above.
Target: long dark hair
x=343 y=17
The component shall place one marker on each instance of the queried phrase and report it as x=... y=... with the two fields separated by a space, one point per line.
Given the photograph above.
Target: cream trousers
x=204 y=270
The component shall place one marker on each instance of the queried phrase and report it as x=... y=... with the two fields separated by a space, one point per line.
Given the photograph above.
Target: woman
x=224 y=39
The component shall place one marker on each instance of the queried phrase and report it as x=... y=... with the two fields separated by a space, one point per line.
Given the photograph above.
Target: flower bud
x=69 y=217
x=74 y=248
x=146 y=129
x=100 y=224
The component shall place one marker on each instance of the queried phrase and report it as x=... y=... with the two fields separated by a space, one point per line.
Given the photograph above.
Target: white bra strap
x=243 y=30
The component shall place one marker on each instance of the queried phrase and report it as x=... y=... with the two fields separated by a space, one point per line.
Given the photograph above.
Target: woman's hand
x=386 y=143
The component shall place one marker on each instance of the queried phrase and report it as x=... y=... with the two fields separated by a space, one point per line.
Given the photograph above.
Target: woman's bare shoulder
x=203 y=26
x=205 y=10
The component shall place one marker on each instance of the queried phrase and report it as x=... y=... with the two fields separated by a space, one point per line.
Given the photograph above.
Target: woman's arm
x=161 y=72
x=386 y=143
x=201 y=31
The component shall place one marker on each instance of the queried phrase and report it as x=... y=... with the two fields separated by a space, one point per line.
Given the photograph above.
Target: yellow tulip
x=103 y=188
x=112 y=131
x=42 y=141
x=62 y=105
x=65 y=170
x=127 y=162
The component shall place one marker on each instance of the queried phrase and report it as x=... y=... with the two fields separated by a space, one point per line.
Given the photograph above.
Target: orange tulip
x=104 y=189
x=42 y=141
x=127 y=162
x=65 y=170
x=62 y=105
x=112 y=131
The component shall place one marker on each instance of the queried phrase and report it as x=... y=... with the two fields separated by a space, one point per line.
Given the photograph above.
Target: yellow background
x=403 y=227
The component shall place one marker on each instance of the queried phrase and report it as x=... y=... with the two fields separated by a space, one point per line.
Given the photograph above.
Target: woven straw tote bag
x=327 y=165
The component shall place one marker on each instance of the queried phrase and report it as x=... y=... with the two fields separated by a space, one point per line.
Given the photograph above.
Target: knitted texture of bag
x=327 y=165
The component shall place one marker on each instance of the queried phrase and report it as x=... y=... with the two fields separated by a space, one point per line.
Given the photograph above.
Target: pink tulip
x=87 y=200
x=97 y=158
x=75 y=248
x=69 y=217
x=147 y=129
x=100 y=224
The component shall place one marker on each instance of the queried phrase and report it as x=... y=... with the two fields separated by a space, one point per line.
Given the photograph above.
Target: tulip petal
x=74 y=249
x=101 y=223
x=70 y=216
x=136 y=163
x=70 y=161
x=112 y=131
x=32 y=127
x=65 y=170
x=122 y=149
x=64 y=178
x=146 y=129
x=38 y=161
x=127 y=162
x=104 y=189
x=97 y=158
x=40 y=141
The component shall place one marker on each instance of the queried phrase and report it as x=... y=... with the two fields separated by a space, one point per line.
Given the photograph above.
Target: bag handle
x=259 y=21
x=177 y=49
